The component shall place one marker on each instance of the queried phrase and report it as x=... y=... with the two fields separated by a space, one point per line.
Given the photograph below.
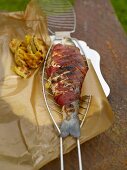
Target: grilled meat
x=66 y=69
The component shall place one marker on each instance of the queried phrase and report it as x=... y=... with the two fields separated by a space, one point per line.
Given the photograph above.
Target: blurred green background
x=120 y=7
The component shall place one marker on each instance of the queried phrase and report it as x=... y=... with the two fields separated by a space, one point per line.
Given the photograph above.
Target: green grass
x=18 y=5
x=120 y=7
x=13 y=5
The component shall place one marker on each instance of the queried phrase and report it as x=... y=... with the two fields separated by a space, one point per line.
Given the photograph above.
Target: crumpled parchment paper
x=27 y=137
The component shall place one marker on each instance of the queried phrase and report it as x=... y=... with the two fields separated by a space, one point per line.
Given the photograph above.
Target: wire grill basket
x=61 y=22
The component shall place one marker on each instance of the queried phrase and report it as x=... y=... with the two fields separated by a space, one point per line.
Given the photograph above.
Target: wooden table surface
x=99 y=27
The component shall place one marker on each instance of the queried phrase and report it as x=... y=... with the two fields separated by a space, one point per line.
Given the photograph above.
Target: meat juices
x=67 y=68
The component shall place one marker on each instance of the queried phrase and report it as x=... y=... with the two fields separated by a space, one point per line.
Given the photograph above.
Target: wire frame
x=61 y=18
x=60 y=15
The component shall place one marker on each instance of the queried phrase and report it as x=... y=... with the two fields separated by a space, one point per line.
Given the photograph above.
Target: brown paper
x=27 y=137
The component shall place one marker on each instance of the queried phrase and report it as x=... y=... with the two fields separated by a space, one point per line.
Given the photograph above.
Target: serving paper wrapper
x=27 y=137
